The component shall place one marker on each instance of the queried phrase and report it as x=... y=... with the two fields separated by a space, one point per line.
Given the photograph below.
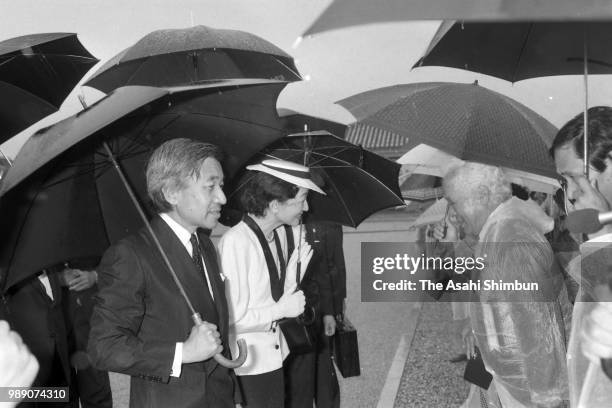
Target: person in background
x=79 y=280
x=18 y=367
x=328 y=268
x=590 y=337
x=35 y=312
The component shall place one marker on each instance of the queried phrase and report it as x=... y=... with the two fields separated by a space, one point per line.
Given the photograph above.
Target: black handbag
x=346 y=349
x=297 y=330
x=476 y=373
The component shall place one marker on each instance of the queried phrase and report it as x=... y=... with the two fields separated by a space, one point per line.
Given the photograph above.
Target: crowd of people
x=129 y=313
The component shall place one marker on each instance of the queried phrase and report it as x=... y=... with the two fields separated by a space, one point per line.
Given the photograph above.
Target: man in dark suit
x=141 y=325
x=35 y=312
x=331 y=265
x=79 y=280
x=311 y=376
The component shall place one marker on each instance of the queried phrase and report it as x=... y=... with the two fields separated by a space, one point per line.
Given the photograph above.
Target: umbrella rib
x=523 y=46
x=315 y=162
x=288 y=68
x=234 y=119
x=342 y=202
x=132 y=141
x=140 y=65
x=7 y=60
x=371 y=176
x=108 y=165
x=46 y=54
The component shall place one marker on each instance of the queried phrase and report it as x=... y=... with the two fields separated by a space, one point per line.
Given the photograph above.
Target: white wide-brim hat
x=290 y=172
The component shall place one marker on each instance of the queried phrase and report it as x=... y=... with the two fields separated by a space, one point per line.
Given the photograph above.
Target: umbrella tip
x=297 y=42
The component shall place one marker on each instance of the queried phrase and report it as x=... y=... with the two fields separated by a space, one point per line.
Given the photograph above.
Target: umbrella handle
x=219 y=358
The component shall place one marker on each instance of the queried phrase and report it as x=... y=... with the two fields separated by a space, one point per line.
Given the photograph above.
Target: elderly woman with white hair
x=261 y=273
x=521 y=334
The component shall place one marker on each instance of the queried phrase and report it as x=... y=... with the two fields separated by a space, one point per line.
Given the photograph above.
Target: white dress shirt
x=185 y=237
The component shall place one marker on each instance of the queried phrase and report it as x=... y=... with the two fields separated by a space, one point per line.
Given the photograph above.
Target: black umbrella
x=193 y=55
x=37 y=72
x=357 y=182
x=515 y=51
x=62 y=200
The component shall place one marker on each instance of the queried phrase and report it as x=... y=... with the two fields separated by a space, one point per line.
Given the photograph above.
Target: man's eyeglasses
x=563 y=183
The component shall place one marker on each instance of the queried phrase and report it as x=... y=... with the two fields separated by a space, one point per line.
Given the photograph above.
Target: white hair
x=470 y=179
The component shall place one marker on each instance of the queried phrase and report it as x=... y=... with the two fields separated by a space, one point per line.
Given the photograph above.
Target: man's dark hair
x=600 y=136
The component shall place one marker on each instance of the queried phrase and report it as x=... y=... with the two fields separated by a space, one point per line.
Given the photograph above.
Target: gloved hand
x=291 y=304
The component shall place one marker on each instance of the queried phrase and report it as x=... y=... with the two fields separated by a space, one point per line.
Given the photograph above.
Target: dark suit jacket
x=326 y=270
x=327 y=267
x=40 y=323
x=140 y=315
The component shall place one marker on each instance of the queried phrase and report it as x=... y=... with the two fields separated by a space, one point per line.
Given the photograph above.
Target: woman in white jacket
x=260 y=283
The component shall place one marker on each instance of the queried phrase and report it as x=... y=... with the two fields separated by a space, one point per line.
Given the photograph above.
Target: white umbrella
x=432 y=215
x=426 y=159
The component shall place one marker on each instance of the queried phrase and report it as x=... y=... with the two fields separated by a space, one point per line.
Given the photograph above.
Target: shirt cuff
x=178 y=361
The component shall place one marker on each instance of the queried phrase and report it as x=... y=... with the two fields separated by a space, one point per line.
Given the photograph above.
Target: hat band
x=295 y=173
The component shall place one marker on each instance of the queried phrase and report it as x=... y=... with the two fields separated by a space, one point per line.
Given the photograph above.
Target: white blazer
x=249 y=299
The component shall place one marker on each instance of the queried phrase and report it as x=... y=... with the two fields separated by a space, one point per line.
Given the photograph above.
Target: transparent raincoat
x=522 y=338
x=588 y=383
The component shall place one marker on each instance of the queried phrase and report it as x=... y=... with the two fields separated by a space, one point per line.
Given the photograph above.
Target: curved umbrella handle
x=242 y=355
x=225 y=362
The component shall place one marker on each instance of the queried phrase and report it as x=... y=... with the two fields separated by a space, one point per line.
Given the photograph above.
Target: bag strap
x=276 y=283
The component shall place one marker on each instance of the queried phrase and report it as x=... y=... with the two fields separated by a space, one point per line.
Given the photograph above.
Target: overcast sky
x=337 y=63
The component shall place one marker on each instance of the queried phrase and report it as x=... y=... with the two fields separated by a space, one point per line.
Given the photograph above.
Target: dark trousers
x=300 y=380
x=93 y=385
x=327 y=392
x=265 y=390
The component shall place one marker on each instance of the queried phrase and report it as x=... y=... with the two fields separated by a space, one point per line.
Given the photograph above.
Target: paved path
x=380 y=326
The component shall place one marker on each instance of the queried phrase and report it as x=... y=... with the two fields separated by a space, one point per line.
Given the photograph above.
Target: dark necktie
x=196 y=257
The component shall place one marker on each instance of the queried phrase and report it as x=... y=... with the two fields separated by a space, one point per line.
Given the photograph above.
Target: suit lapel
x=180 y=260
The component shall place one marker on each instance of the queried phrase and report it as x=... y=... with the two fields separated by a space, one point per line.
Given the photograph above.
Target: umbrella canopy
x=301 y=122
x=435 y=162
x=515 y=51
x=346 y=13
x=465 y=120
x=63 y=200
x=37 y=72
x=435 y=213
x=190 y=56
x=357 y=183
x=420 y=187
